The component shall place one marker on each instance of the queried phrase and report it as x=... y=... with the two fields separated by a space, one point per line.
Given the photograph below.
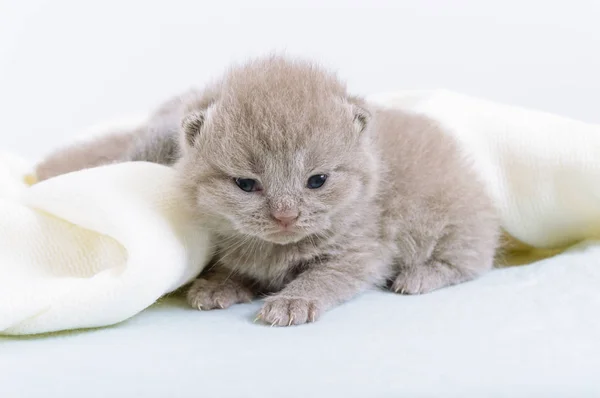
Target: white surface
x=524 y=332
x=92 y=248
x=532 y=331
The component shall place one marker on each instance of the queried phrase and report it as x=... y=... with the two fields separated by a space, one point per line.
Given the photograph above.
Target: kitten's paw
x=425 y=278
x=206 y=294
x=280 y=311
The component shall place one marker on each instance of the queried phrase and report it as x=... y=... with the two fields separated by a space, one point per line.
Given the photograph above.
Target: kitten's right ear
x=191 y=126
x=362 y=117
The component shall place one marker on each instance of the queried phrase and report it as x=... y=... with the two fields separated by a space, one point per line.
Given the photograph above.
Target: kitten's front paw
x=424 y=279
x=280 y=311
x=207 y=294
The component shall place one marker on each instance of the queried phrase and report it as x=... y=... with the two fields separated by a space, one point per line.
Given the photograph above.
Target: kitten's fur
x=400 y=207
x=155 y=141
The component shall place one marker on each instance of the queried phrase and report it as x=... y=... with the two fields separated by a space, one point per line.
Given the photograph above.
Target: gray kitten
x=316 y=196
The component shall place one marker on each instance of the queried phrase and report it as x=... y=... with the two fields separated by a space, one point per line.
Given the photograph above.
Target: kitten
x=101 y=150
x=156 y=140
x=313 y=194
x=316 y=196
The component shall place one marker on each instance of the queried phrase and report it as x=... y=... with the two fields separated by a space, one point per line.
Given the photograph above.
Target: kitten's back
x=431 y=192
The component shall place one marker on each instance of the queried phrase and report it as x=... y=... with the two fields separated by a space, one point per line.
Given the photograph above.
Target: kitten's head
x=281 y=152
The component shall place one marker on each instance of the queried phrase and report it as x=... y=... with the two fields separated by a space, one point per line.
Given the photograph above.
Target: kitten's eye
x=316 y=181
x=247 y=184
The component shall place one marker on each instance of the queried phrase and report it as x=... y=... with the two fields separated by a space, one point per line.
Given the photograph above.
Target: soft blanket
x=91 y=248
x=96 y=247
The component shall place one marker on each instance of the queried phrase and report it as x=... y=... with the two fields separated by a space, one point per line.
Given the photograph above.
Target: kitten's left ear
x=361 y=115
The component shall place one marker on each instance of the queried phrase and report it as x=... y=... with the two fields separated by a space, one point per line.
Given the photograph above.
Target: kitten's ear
x=361 y=116
x=191 y=125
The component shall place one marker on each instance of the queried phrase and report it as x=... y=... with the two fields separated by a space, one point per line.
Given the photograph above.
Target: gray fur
x=401 y=207
x=82 y=155
x=157 y=140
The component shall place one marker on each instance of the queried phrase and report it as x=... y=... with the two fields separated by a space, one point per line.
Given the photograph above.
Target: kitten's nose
x=285 y=218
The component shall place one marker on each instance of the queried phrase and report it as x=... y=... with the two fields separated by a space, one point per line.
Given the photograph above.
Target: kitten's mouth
x=284 y=236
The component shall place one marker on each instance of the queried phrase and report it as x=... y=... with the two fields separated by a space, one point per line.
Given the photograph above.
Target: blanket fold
x=92 y=248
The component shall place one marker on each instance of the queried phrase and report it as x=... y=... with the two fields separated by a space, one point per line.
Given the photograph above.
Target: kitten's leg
x=321 y=287
x=105 y=149
x=463 y=252
x=218 y=288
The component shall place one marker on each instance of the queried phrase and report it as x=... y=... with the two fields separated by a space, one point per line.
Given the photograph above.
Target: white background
x=67 y=64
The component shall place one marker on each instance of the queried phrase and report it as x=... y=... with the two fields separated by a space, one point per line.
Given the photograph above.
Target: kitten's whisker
x=242 y=244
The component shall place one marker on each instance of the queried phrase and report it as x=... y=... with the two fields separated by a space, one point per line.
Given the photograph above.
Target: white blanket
x=96 y=247
x=91 y=248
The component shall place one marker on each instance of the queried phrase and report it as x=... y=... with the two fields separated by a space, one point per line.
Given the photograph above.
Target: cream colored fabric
x=91 y=248
x=542 y=170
